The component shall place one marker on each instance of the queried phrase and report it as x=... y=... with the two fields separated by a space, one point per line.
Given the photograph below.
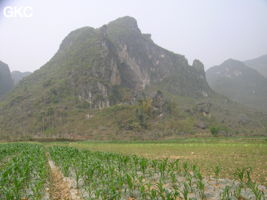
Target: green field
x=185 y=168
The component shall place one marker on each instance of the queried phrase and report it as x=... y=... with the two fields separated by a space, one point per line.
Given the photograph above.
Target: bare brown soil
x=60 y=187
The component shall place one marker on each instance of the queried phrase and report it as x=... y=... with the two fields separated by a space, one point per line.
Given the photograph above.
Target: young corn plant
x=259 y=195
x=201 y=189
x=162 y=167
x=237 y=192
x=226 y=194
x=130 y=184
x=189 y=179
x=217 y=170
x=143 y=165
x=239 y=174
x=248 y=175
x=185 y=191
x=153 y=194
x=161 y=190
x=186 y=168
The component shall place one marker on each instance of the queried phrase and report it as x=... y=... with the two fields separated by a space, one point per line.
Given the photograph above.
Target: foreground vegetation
x=212 y=168
x=101 y=175
x=23 y=171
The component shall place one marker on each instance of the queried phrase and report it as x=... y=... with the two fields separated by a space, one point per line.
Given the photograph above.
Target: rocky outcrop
x=159 y=104
x=203 y=108
x=118 y=57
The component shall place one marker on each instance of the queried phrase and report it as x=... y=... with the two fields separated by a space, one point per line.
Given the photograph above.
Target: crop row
x=25 y=175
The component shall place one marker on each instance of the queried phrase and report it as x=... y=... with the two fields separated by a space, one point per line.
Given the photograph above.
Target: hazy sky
x=210 y=30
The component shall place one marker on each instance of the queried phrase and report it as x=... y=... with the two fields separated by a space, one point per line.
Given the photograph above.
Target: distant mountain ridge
x=6 y=82
x=17 y=76
x=259 y=64
x=239 y=82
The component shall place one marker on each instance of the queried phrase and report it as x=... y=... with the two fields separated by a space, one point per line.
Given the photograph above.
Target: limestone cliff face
x=118 y=57
x=6 y=82
x=148 y=64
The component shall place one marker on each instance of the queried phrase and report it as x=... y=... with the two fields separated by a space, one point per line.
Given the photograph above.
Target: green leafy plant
x=214 y=130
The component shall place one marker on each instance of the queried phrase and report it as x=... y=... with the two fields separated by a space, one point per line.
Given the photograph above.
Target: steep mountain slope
x=115 y=83
x=240 y=83
x=6 y=82
x=259 y=64
x=17 y=76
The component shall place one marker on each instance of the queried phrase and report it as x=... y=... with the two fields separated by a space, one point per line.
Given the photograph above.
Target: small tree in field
x=214 y=130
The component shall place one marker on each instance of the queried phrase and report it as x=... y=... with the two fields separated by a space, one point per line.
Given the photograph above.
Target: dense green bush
x=214 y=130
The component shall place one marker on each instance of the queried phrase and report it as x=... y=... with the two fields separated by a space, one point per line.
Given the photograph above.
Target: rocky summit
x=114 y=82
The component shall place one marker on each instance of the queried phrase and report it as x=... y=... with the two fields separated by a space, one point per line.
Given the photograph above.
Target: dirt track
x=61 y=187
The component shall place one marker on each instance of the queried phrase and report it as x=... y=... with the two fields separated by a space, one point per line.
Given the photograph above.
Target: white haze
x=209 y=30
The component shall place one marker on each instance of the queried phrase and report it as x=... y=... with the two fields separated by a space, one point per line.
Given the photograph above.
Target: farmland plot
x=100 y=175
x=32 y=171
